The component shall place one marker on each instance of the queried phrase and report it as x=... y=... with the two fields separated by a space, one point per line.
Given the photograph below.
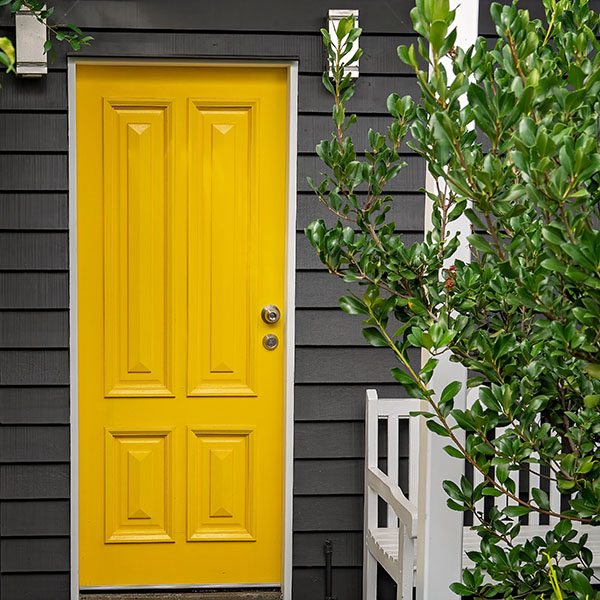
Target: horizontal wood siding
x=226 y=15
x=535 y=8
x=34 y=339
x=334 y=364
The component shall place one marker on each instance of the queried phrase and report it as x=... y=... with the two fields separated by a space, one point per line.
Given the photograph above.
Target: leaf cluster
x=509 y=133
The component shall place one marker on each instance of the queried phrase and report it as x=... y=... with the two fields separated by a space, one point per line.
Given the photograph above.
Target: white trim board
x=440 y=528
x=290 y=295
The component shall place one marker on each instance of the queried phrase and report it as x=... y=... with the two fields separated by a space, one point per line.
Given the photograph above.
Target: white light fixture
x=335 y=16
x=30 y=37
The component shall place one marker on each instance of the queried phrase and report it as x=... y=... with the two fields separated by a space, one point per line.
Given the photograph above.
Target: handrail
x=405 y=510
x=399 y=407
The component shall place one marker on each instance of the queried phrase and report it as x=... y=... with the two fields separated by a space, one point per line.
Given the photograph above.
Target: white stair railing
x=394 y=546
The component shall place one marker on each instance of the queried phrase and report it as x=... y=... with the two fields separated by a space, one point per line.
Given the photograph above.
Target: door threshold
x=208 y=594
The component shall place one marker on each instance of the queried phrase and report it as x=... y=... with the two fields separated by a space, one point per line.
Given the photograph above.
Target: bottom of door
x=216 y=587
x=267 y=591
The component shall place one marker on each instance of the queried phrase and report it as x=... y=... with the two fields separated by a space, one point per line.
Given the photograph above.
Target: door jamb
x=290 y=294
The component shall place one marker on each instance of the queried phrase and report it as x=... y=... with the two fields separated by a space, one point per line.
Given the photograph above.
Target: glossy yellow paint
x=181 y=176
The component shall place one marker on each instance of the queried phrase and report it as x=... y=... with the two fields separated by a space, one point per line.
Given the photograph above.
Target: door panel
x=221 y=485
x=221 y=262
x=181 y=242
x=137 y=486
x=136 y=168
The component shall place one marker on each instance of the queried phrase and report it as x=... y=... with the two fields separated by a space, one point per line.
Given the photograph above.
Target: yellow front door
x=181 y=174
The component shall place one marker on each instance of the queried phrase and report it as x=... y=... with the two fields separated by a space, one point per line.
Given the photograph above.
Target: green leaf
x=327 y=83
x=407 y=55
x=75 y=29
x=450 y=391
x=452 y=489
x=436 y=331
x=437 y=34
x=479 y=242
x=541 y=498
x=481 y=104
x=392 y=99
x=437 y=428
x=353 y=306
x=461 y=590
x=553 y=264
x=591 y=400
x=7 y=47
x=343 y=28
x=454 y=452
x=551 y=235
x=516 y=511
x=374 y=337
x=563 y=527
x=456 y=506
x=402 y=377
x=527 y=131
x=581 y=585
x=440 y=10
x=593 y=370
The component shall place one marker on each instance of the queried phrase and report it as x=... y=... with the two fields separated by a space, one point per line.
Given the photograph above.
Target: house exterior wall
x=334 y=365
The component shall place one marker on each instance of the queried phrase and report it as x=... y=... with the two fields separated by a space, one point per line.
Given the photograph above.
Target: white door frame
x=290 y=294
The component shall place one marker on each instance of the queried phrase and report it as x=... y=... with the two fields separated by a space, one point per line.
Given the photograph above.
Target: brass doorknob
x=270 y=314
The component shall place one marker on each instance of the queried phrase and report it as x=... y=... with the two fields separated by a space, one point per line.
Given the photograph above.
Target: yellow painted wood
x=137 y=484
x=138 y=168
x=221 y=484
x=224 y=219
x=181 y=176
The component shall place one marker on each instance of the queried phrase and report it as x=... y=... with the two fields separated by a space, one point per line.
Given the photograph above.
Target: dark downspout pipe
x=328 y=574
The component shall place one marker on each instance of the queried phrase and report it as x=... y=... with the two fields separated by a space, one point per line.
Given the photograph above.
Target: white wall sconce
x=30 y=37
x=335 y=16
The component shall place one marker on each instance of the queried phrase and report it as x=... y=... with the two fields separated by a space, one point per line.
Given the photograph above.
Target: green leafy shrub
x=510 y=135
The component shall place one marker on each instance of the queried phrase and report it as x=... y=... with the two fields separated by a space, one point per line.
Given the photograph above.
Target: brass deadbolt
x=270 y=341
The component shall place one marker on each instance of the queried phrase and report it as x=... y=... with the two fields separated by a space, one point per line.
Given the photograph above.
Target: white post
x=370 y=513
x=439 y=541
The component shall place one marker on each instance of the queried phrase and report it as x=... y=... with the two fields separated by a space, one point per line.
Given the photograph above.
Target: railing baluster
x=392 y=462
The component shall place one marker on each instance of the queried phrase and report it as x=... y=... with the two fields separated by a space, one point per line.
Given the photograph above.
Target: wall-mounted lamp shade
x=335 y=16
x=30 y=37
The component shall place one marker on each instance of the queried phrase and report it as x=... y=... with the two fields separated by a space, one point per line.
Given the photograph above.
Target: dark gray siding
x=34 y=339
x=334 y=365
x=227 y=15
x=535 y=8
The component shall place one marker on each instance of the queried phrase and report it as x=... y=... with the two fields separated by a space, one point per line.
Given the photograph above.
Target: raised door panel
x=220 y=484
x=137 y=201
x=222 y=272
x=138 y=486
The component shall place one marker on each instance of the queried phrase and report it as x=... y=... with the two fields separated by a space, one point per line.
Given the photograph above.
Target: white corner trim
x=290 y=306
x=440 y=530
x=73 y=346
x=290 y=330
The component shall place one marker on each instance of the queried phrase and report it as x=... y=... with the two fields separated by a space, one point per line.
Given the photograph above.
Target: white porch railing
x=394 y=544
